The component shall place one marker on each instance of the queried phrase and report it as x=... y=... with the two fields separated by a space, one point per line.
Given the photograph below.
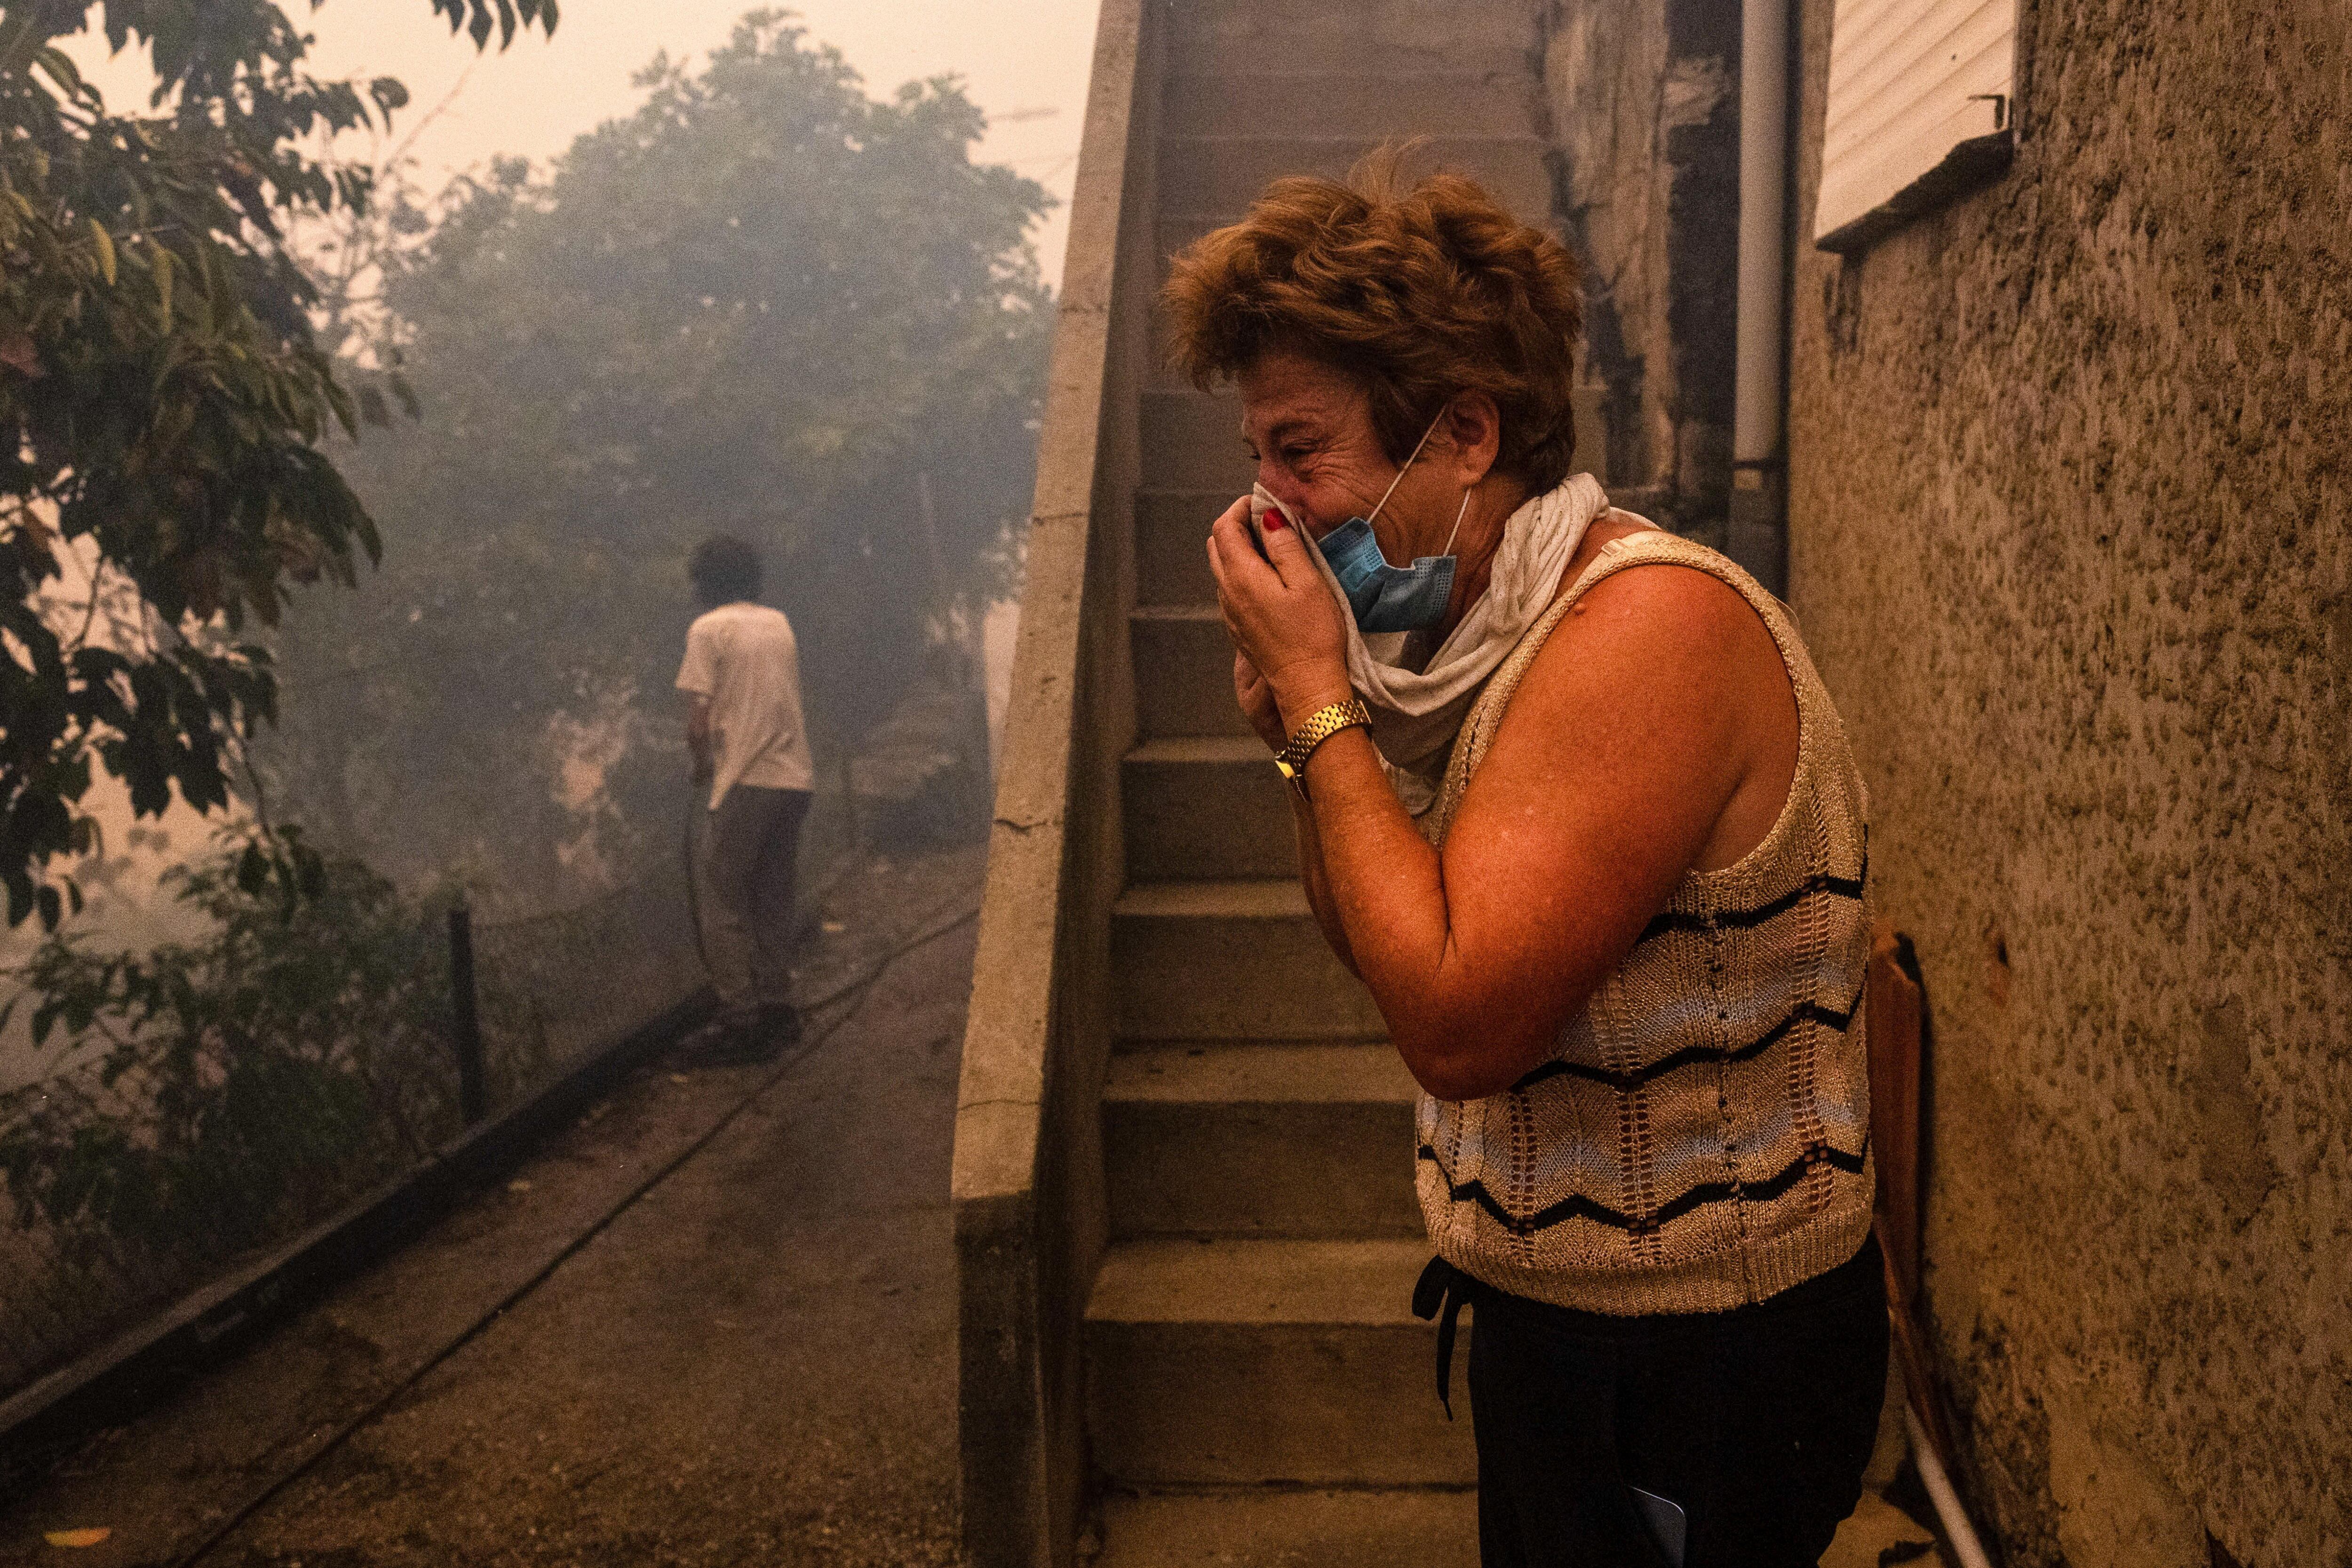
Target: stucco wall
x=2071 y=542
x=1644 y=104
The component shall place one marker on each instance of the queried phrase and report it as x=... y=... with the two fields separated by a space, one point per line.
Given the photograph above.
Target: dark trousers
x=749 y=857
x=1757 y=1421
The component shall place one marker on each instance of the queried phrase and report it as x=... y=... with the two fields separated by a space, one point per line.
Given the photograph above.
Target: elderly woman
x=1574 y=804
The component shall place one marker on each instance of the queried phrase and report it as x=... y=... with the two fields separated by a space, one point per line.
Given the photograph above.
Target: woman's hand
x=1284 y=620
x=1258 y=706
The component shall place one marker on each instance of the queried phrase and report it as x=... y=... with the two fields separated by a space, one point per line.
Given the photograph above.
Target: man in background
x=742 y=682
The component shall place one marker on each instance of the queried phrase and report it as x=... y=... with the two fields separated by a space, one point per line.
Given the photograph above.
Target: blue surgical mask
x=1387 y=598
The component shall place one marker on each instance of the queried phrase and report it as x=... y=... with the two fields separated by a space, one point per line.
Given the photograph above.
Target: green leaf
x=63 y=71
x=105 y=243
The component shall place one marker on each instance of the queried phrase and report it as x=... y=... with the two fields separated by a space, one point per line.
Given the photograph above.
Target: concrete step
x=1172 y=535
x=1261 y=1141
x=1193 y=441
x=1280 y=1527
x=1215 y=1363
x=1206 y=808
x=1311 y=56
x=1224 y=174
x=1361 y=104
x=1399 y=37
x=1230 y=961
x=1183 y=672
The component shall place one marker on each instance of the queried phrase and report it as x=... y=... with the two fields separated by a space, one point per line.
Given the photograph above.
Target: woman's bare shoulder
x=1605 y=530
x=1665 y=603
x=1674 y=643
x=1634 y=729
x=1672 y=670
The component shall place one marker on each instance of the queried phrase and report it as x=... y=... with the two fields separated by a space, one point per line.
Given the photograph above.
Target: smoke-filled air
x=1119 y=784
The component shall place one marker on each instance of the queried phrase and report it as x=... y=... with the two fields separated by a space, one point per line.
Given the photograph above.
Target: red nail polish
x=1274 y=523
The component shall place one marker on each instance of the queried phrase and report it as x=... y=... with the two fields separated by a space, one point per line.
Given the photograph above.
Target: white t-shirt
x=743 y=659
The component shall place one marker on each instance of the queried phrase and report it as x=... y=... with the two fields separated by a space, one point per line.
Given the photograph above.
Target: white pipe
x=1955 y=1518
x=1763 y=229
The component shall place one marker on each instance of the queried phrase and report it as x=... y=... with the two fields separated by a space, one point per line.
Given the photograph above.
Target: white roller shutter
x=1919 y=97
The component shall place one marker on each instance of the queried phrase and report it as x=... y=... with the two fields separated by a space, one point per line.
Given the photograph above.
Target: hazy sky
x=1015 y=56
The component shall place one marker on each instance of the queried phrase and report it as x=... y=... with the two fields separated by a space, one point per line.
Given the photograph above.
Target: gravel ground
x=753 y=1364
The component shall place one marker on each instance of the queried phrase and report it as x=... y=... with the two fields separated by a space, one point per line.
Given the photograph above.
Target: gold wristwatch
x=1321 y=725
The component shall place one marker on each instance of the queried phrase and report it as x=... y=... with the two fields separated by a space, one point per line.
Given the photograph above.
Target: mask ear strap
x=1417 y=445
x=1457 y=524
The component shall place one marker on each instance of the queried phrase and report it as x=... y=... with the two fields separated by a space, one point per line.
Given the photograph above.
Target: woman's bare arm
x=1264 y=716
x=1317 y=882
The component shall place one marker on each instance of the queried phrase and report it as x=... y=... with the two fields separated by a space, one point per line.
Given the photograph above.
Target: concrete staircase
x=1257 y=1389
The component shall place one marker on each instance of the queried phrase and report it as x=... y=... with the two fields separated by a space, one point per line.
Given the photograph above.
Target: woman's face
x=1310 y=429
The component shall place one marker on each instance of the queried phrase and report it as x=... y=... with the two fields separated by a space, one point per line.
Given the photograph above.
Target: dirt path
x=753 y=1364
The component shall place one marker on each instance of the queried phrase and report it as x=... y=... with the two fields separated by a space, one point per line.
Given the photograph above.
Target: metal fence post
x=473 y=1093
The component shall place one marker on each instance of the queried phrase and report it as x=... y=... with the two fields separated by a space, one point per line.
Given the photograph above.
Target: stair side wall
x=1029 y=1202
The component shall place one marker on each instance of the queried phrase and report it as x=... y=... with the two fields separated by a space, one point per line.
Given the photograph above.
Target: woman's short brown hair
x=1419 y=294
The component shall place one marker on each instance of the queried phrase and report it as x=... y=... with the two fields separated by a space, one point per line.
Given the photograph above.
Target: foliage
x=163 y=397
x=764 y=303
x=245 y=1078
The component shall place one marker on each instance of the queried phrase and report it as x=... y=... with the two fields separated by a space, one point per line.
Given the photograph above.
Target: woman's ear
x=1474 y=427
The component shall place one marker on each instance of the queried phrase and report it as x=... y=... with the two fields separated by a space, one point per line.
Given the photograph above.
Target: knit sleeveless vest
x=1699 y=1137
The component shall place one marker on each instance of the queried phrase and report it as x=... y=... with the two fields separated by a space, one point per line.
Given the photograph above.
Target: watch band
x=1321 y=725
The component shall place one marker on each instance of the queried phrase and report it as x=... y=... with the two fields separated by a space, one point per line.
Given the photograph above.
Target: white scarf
x=1417 y=713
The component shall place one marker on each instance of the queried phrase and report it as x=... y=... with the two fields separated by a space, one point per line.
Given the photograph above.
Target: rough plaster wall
x=1645 y=103
x=2072 y=543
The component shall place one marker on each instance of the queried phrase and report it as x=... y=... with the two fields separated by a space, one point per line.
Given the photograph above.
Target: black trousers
x=1758 y=1421
x=749 y=860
